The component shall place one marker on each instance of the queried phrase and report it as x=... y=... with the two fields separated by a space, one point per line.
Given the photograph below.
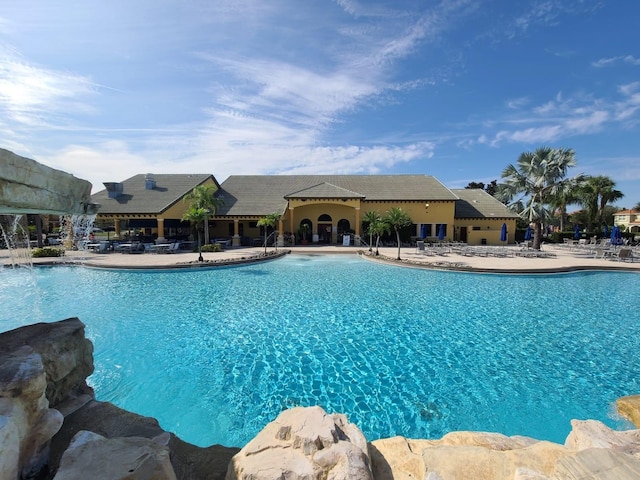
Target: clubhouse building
x=319 y=209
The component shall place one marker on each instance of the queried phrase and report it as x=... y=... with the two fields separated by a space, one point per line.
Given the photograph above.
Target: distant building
x=333 y=207
x=630 y=219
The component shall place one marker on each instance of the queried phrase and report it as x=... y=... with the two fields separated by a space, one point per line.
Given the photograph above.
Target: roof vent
x=149 y=181
x=114 y=189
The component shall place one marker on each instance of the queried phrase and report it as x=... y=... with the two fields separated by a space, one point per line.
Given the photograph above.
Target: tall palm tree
x=637 y=207
x=564 y=197
x=196 y=215
x=370 y=218
x=203 y=196
x=595 y=194
x=397 y=219
x=269 y=221
x=378 y=228
x=537 y=180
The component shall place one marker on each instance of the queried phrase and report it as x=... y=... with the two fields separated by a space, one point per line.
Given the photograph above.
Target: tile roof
x=476 y=203
x=258 y=195
x=136 y=199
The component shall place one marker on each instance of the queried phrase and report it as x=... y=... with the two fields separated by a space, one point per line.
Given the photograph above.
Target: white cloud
x=610 y=61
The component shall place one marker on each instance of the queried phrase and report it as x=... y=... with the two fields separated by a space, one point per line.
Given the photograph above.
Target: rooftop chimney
x=114 y=189
x=149 y=181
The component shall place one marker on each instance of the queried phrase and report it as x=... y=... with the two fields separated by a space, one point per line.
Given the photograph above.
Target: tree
x=397 y=219
x=371 y=217
x=196 y=215
x=637 y=207
x=270 y=220
x=595 y=194
x=490 y=188
x=203 y=196
x=378 y=228
x=536 y=181
x=564 y=197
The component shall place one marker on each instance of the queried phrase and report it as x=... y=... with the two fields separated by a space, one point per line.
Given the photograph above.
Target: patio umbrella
x=441 y=232
x=576 y=232
x=527 y=233
x=615 y=236
x=605 y=231
x=423 y=230
x=503 y=233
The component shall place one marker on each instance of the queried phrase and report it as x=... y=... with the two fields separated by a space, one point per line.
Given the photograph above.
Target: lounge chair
x=174 y=247
x=625 y=254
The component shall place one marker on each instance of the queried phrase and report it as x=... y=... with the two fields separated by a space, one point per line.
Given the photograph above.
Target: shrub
x=212 y=247
x=47 y=252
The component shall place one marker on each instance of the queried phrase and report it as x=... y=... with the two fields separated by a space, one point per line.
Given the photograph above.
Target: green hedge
x=211 y=247
x=47 y=252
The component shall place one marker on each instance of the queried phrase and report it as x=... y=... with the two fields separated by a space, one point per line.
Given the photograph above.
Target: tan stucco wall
x=489 y=230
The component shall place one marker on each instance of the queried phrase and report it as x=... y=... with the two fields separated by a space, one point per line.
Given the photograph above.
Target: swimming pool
x=216 y=354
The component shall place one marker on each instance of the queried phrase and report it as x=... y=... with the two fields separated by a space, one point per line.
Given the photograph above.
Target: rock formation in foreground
x=51 y=427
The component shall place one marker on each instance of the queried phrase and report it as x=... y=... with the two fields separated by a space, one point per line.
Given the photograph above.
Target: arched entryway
x=344 y=228
x=325 y=229
x=305 y=231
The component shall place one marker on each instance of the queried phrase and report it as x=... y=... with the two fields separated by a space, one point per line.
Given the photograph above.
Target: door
x=324 y=233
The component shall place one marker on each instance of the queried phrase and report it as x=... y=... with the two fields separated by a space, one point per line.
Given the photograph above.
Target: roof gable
x=324 y=190
x=136 y=198
x=476 y=203
x=258 y=195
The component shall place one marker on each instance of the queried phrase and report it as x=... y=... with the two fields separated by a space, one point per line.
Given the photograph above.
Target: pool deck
x=563 y=259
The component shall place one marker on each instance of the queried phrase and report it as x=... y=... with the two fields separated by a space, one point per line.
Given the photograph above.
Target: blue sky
x=456 y=89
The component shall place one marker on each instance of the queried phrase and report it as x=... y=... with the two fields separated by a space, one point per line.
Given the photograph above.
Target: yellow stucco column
x=280 y=233
x=236 y=232
x=160 y=230
x=293 y=225
x=356 y=239
x=117 y=226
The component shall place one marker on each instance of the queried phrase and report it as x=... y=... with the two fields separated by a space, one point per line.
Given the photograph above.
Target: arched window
x=324 y=218
x=343 y=226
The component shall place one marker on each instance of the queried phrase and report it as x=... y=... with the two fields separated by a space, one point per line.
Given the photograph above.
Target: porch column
x=280 y=233
x=116 y=226
x=236 y=232
x=293 y=225
x=161 y=230
x=356 y=238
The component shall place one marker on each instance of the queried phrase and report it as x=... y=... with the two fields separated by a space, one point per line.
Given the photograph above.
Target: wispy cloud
x=611 y=61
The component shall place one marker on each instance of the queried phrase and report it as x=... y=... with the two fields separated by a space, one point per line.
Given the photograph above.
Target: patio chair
x=174 y=247
x=625 y=254
x=420 y=246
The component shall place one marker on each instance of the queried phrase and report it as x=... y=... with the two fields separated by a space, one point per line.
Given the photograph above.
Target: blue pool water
x=216 y=354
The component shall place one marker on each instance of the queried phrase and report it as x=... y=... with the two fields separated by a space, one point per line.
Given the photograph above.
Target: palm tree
x=559 y=202
x=595 y=194
x=378 y=228
x=370 y=218
x=196 y=215
x=397 y=219
x=269 y=221
x=539 y=177
x=637 y=207
x=203 y=196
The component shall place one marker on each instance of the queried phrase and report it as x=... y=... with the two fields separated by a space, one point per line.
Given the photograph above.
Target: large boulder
x=592 y=451
x=132 y=458
x=27 y=424
x=304 y=444
x=629 y=407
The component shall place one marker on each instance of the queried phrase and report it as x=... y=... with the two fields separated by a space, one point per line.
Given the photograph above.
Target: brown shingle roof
x=259 y=195
x=476 y=203
x=136 y=199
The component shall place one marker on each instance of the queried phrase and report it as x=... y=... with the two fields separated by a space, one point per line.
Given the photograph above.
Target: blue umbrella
x=423 y=230
x=527 y=233
x=441 y=232
x=503 y=233
x=576 y=232
x=616 y=236
x=605 y=231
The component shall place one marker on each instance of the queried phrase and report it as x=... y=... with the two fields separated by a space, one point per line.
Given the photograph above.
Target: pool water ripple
x=216 y=354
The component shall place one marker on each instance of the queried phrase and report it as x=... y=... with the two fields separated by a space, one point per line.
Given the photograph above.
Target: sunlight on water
x=216 y=354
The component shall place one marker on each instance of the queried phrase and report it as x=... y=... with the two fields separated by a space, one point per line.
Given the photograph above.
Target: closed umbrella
x=576 y=232
x=441 y=232
x=605 y=231
x=423 y=230
x=616 y=236
x=503 y=233
x=527 y=233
